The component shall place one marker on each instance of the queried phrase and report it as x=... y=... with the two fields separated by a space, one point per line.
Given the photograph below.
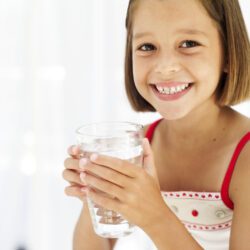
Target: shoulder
x=241 y=174
x=240 y=179
x=240 y=195
x=239 y=188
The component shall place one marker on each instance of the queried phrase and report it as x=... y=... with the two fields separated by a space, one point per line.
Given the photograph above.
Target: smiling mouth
x=172 y=90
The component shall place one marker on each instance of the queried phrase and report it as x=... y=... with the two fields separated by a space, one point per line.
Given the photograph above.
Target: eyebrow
x=184 y=31
x=139 y=35
x=191 y=32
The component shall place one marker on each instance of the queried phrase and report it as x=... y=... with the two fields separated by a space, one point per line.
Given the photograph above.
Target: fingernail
x=84 y=190
x=82 y=162
x=93 y=157
x=82 y=177
x=74 y=150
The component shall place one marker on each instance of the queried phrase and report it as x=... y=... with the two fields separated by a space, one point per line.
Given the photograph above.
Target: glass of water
x=117 y=139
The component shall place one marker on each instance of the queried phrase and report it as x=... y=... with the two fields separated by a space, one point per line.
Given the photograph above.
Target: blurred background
x=61 y=65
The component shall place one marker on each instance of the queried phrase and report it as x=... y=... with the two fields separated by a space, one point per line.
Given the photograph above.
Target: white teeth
x=172 y=90
x=160 y=89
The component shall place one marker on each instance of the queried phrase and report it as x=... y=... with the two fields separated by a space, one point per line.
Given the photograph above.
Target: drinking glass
x=117 y=139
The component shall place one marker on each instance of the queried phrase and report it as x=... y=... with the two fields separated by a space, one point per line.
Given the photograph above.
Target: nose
x=167 y=63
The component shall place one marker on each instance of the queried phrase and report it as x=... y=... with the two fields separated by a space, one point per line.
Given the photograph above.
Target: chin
x=172 y=115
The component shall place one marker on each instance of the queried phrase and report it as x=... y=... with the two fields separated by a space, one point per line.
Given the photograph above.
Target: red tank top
x=226 y=182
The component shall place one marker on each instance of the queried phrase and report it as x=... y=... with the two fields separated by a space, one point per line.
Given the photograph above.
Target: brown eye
x=147 y=47
x=189 y=44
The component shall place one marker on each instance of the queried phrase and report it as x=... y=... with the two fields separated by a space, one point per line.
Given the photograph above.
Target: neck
x=197 y=128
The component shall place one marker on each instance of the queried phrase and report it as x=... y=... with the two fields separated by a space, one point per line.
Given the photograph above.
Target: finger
x=71 y=163
x=105 y=173
x=116 y=164
x=75 y=151
x=104 y=201
x=76 y=191
x=148 y=159
x=104 y=186
x=72 y=177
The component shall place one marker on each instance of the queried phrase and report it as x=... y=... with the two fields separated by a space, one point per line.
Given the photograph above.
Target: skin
x=194 y=126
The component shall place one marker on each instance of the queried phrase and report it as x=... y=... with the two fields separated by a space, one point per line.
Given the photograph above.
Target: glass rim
x=138 y=126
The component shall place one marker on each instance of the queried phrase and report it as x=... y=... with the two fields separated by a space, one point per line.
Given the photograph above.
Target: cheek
x=138 y=72
x=135 y=70
x=212 y=65
x=206 y=69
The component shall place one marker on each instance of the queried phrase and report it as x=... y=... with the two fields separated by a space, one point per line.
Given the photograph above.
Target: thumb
x=148 y=159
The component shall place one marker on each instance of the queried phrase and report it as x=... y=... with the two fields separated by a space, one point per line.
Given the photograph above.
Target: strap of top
x=227 y=179
x=151 y=129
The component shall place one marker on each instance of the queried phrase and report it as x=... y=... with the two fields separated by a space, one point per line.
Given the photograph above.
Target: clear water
x=107 y=223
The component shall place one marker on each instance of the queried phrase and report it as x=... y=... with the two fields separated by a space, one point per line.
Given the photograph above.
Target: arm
x=240 y=194
x=169 y=233
x=84 y=236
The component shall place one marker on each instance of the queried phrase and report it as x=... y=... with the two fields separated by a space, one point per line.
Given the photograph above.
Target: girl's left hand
x=132 y=191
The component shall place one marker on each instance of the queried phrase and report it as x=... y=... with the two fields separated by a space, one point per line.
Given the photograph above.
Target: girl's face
x=177 y=56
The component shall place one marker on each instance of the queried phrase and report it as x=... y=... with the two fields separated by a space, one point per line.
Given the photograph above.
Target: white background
x=61 y=65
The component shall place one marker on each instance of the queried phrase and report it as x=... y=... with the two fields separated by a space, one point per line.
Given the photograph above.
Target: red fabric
x=226 y=182
x=151 y=129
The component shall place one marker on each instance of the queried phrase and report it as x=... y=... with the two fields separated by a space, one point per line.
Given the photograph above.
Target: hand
x=72 y=174
x=132 y=191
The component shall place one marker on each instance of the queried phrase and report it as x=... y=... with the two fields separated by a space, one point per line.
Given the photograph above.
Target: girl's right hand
x=72 y=173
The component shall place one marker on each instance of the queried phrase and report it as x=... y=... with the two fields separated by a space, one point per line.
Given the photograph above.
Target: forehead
x=171 y=15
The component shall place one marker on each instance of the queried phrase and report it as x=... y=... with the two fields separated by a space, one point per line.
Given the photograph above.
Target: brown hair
x=234 y=86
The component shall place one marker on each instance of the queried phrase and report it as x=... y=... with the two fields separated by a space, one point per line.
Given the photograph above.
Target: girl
x=189 y=61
